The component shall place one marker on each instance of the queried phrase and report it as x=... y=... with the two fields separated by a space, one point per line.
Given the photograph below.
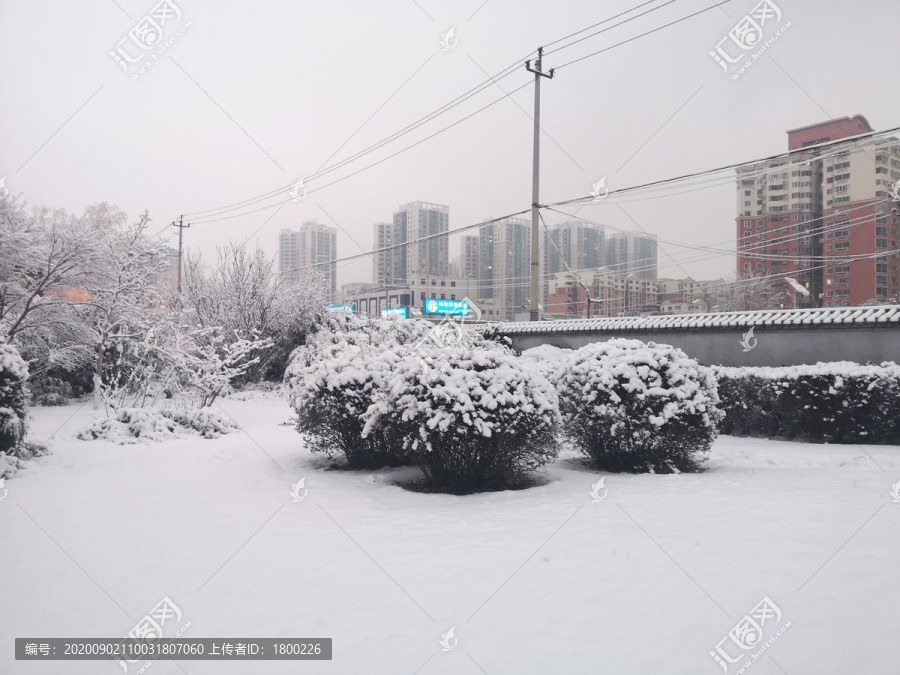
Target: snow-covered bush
x=345 y=364
x=638 y=407
x=140 y=425
x=13 y=373
x=546 y=359
x=839 y=402
x=472 y=419
x=331 y=388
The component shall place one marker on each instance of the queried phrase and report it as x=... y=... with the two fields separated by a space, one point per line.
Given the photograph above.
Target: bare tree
x=244 y=297
x=125 y=298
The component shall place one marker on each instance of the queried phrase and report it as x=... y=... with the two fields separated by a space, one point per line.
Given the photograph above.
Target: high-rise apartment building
x=505 y=249
x=632 y=253
x=418 y=220
x=383 y=263
x=312 y=245
x=821 y=216
x=415 y=225
x=469 y=257
x=573 y=245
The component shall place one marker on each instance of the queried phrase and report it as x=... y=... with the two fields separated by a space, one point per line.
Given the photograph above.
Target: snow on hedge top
x=837 y=369
x=12 y=363
x=663 y=378
x=478 y=390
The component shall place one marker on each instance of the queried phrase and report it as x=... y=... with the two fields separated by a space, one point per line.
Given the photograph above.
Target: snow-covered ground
x=649 y=579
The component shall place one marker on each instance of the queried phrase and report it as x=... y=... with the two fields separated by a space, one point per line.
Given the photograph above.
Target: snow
x=536 y=581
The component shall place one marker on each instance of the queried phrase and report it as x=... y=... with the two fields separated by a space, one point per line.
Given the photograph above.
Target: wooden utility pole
x=181 y=227
x=535 y=179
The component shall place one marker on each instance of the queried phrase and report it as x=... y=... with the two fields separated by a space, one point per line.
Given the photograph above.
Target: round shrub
x=472 y=419
x=638 y=407
x=331 y=389
x=13 y=373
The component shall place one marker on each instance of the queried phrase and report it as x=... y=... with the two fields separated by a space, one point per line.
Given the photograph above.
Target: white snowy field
x=545 y=580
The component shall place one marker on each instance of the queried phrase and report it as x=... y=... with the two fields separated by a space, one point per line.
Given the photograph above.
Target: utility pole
x=181 y=226
x=535 y=179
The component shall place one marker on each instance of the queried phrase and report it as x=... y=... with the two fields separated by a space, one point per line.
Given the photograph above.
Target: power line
x=627 y=190
x=208 y=213
x=384 y=159
x=509 y=70
x=637 y=37
x=599 y=23
x=621 y=23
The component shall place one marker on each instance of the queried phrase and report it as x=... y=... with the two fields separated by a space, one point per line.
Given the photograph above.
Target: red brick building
x=821 y=217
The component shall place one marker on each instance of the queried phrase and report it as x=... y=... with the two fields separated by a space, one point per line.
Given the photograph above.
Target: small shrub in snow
x=49 y=391
x=840 y=402
x=638 y=407
x=472 y=420
x=204 y=422
x=146 y=425
x=332 y=391
x=13 y=373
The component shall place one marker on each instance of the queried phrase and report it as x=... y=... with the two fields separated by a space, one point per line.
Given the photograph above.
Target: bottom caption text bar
x=192 y=649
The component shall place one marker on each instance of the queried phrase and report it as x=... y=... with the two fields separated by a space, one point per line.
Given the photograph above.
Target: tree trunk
x=98 y=382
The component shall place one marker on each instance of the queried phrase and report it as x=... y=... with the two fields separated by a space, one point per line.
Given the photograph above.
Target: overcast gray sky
x=252 y=96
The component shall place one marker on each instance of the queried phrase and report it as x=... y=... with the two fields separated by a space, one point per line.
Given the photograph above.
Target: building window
x=881 y=243
x=453 y=284
x=443 y=296
x=453 y=297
